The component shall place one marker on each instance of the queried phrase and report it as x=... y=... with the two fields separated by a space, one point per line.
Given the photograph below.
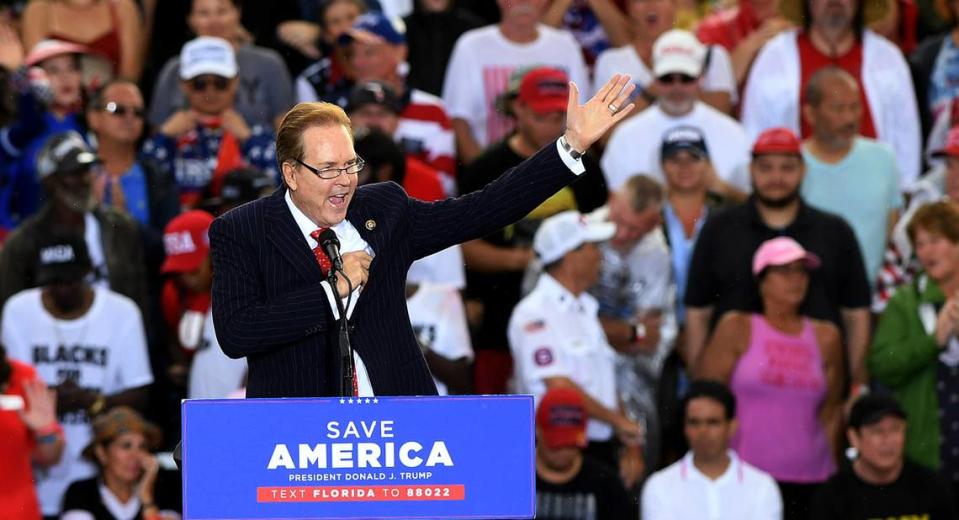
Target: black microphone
x=331 y=246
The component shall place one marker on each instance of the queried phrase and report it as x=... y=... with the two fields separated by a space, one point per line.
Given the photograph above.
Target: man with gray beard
x=66 y=167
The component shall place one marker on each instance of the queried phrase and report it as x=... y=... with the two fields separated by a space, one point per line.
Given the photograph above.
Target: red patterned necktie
x=325 y=265
x=321 y=257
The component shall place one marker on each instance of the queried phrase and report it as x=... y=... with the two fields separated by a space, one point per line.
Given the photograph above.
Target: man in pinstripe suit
x=271 y=303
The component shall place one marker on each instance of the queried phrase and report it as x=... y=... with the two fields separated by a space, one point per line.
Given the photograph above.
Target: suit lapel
x=364 y=219
x=285 y=235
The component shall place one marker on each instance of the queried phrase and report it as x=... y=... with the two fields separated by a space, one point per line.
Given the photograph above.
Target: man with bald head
x=847 y=174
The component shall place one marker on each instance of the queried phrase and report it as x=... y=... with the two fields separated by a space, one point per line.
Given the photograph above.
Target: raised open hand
x=11 y=50
x=41 y=405
x=585 y=124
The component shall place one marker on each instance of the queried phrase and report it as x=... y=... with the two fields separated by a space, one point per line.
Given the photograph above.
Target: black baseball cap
x=65 y=152
x=682 y=138
x=374 y=93
x=872 y=408
x=62 y=258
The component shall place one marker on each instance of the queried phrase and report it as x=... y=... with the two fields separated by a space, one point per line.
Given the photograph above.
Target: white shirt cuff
x=574 y=165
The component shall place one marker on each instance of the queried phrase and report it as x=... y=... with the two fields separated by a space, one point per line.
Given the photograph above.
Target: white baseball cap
x=678 y=51
x=566 y=231
x=207 y=55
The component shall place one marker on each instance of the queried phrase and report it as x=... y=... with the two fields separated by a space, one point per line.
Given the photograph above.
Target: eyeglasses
x=332 y=173
x=122 y=110
x=218 y=82
x=673 y=78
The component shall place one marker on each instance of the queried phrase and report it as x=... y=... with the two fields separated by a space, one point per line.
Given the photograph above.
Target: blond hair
x=289 y=138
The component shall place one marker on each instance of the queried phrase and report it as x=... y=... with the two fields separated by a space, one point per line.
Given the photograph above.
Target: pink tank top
x=779 y=385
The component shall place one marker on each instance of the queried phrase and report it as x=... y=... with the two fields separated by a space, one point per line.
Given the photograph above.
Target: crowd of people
x=745 y=306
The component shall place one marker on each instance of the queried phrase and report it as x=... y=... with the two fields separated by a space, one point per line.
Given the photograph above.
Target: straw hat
x=116 y=422
x=795 y=10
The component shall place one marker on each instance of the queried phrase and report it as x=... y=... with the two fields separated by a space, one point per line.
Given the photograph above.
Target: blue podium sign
x=386 y=457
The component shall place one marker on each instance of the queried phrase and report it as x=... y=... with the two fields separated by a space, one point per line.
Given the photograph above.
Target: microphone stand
x=343 y=337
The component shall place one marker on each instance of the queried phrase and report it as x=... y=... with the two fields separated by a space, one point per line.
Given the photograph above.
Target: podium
x=383 y=457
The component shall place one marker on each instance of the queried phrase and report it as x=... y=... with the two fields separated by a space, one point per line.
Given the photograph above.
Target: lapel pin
x=370 y=225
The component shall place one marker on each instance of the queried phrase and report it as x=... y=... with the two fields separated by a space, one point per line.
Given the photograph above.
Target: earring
x=852 y=453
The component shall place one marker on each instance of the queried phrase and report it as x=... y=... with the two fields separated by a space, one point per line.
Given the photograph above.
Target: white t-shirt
x=682 y=491
x=553 y=333
x=99 y=276
x=439 y=321
x=479 y=70
x=442 y=267
x=634 y=146
x=719 y=76
x=213 y=375
x=105 y=350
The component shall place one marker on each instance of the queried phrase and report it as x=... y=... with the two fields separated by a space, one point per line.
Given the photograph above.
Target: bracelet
x=53 y=428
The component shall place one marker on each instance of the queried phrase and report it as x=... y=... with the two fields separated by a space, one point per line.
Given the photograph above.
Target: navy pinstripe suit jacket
x=269 y=307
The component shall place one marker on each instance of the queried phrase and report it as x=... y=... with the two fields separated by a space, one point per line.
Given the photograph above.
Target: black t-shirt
x=720 y=272
x=500 y=292
x=84 y=495
x=596 y=493
x=917 y=493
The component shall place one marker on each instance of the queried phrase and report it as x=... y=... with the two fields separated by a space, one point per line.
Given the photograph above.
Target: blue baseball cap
x=376 y=24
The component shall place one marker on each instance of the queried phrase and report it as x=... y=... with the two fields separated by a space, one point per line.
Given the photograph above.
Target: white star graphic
x=375 y=400
x=367 y=401
x=351 y=400
x=342 y=401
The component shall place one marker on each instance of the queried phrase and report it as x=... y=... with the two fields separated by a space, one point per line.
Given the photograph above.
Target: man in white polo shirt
x=557 y=339
x=710 y=482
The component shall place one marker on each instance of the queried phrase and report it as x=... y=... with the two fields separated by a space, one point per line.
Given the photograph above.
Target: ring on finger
x=613 y=108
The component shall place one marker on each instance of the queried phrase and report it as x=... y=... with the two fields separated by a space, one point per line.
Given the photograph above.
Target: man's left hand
x=585 y=124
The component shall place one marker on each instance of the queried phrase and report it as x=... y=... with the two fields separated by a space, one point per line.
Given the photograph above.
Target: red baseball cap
x=951 y=148
x=777 y=140
x=561 y=419
x=186 y=242
x=545 y=90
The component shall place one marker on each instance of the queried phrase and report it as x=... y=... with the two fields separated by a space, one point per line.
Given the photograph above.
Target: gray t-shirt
x=265 y=89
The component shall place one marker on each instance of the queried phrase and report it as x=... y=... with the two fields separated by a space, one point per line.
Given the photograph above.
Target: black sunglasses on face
x=218 y=82
x=673 y=78
x=122 y=110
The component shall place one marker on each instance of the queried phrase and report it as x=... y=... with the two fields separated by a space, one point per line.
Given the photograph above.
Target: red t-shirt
x=811 y=61
x=728 y=27
x=422 y=182
x=18 y=496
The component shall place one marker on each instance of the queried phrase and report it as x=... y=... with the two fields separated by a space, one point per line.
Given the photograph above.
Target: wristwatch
x=97 y=406
x=575 y=154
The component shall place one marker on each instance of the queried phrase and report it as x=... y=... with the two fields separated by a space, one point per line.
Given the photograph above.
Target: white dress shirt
x=350 y=240
x=682 y=492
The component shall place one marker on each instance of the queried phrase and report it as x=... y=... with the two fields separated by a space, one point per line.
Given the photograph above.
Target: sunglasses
x=218 y=82
x=677 y=78
x=119 y=110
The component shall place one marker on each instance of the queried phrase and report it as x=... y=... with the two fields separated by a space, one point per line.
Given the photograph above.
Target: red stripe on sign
x=361 y=493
